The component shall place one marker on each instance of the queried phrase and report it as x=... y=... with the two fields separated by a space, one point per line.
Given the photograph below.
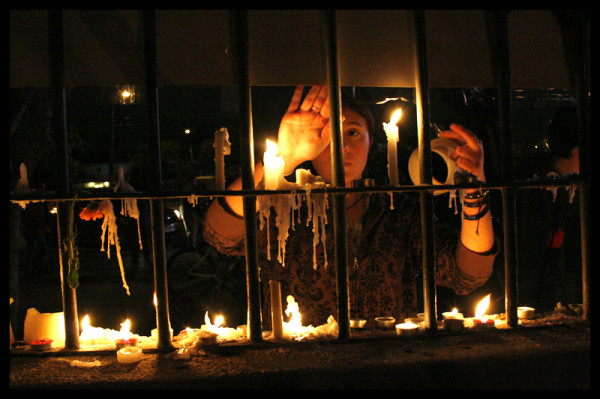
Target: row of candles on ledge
x=44 y=330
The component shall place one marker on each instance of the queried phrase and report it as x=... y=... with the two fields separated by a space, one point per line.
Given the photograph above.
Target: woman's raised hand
x=304 y=129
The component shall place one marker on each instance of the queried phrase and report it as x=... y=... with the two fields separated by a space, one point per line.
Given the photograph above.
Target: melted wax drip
x=284 y=206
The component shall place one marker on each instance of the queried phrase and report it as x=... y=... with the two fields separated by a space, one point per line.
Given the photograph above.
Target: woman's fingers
x=295 y=102
x=469 y=153
x=315 y=99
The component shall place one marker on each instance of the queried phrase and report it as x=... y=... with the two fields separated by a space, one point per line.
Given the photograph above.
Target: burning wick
x=127 y=339
x=481 y=320
x=453 y=321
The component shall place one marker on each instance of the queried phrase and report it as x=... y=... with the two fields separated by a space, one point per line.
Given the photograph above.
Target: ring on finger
x=316 y=109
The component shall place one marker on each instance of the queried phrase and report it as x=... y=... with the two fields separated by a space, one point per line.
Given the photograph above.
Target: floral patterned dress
x=384 y=256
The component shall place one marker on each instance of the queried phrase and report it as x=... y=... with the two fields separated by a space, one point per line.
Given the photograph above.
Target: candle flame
x=218 y=322
x=454 y=311
x=408 y=324
x=482 y=307
x=293 y=312
x=272 y=148
x=396 y=116
x=85 y=323
x=155 y=301
x=124 y=332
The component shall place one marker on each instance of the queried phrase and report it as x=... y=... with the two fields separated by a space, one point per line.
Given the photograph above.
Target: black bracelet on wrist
x=477 y=204
x=479 y=194
x=478 y=215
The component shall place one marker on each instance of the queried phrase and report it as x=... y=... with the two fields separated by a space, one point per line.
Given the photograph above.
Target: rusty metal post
x=337 y=168
x=239 y=21
x=496 y=22
x=156 y=205
x=582 y=88
x=426 y=197
x=63 y=186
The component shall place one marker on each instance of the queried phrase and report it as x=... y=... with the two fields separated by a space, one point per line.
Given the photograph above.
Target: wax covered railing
x=284 y=205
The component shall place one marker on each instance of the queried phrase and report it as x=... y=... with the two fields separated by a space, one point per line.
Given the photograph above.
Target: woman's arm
x=476 y=235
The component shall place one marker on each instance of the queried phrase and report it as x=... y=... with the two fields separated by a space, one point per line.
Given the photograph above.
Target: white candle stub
x=129 y=354
x=525 y=312
x=407 y=329
x=453 y=321
x=453 y=315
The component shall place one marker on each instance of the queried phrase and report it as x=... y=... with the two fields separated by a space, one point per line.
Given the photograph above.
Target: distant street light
x=188 y=133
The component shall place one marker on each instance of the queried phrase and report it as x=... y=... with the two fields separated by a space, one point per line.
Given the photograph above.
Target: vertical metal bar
x=582 y=87
x=63 y=186
x=426 y=197
x=337 y=168
x=498 y=38
x=239 y=22
x=156 y=205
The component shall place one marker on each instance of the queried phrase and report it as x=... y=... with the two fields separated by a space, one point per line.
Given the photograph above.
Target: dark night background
x=93 y=115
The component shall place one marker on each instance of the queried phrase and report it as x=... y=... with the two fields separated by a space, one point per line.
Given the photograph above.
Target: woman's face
x=357 y=142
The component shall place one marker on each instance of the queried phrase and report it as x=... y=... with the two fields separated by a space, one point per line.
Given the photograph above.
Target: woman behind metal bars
x=384 y=244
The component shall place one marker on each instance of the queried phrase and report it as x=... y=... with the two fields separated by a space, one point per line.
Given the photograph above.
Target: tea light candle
x=384 y=322
x=407 y=329
x=481 y=321
x=525 y=312
x=453 y=321
x=41 y=344
x=125 y=342
x=484 y=323
x=452 y=315
x=126 y=338
x=129 y=354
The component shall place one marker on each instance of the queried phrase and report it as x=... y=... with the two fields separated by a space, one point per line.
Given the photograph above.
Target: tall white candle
x=391 y=130
x=273 y=166
x=222 y=147
x=276 y=313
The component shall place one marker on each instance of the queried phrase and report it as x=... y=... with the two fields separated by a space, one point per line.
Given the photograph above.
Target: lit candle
x=43 y=326
x=222 y=147
x=222 y=333
x=481 y=320
x=391 y=130
x=273 y=166
x=276 y=312
x=90 y=335
x=129 y=354
x=125 y=336
x=407 y=329
x=453 y=315
x=453 y=321
x=41 y=344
